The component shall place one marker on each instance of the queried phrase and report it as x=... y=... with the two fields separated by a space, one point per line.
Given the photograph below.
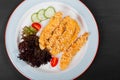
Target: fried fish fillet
x=68 y=55
x=48 y=30
x=58 y=32
x=74 y=37
x=64 y=38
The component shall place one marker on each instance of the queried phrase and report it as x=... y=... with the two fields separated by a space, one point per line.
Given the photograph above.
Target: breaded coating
x=48 y=30
x=57 y=33
x=68 y=55
x=65 y=37
x=74 y=37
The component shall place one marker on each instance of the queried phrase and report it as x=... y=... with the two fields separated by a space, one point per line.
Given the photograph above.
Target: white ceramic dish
x=74 y=8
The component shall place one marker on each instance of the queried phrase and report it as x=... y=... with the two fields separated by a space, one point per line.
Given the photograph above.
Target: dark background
x=106 y=65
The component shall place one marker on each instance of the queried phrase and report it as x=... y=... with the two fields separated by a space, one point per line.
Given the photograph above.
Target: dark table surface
x=106 y=65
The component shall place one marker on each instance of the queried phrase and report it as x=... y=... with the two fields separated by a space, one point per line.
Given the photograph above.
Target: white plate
x=22 y=17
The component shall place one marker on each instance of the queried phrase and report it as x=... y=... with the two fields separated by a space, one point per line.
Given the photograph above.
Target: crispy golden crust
x=65 y=37
x=58 y=32
x=74 y=37
x=47 y=31
x=68 y=55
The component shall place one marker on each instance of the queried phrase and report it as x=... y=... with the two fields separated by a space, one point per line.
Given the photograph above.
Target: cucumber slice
x=49 y=12
x=41 y=16
x=34 y=17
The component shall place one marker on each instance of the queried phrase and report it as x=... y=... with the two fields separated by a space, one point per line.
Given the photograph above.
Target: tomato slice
x=36 y=25
x=54 y=61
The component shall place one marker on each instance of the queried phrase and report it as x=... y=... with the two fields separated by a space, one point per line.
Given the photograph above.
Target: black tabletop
x=106 y=65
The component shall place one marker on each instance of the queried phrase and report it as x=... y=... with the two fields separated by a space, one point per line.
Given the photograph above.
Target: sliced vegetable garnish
x=33 y=29
x=34 y=17
x=36 y=25
x=54 y=61
x=28 y=31
x=49 y=12
x=41 y=16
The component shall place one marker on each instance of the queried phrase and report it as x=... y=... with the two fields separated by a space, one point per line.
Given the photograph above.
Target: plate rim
x=20 y=4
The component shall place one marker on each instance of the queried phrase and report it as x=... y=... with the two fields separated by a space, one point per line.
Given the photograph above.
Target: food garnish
x=34 y=17
x=43 y=14
x=49 y=12
x=28 y=30
x=54 y=61
x=36 y=25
